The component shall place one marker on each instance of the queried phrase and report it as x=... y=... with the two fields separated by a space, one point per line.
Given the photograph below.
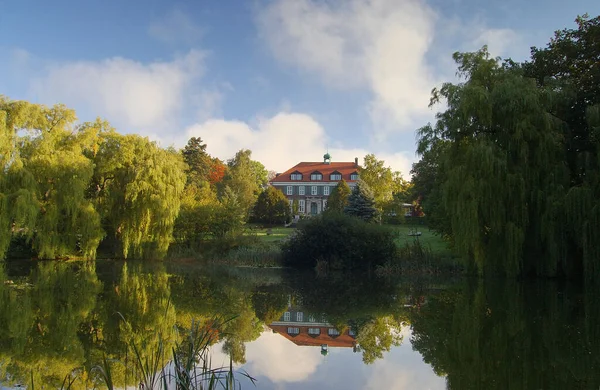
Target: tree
x=137 y=188
x=272 y=207
x=503 y=171
x=568 y=70
x=44 y=181
x=199 y=163
x=230 y=216
x=364 y=245
x=361 y=203
x=379 y=178
x=245 y=178
x=338 y=199
x=427 y=179
x=217 y=171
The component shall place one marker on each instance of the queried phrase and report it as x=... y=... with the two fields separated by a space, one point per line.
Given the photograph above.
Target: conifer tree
x=361 y=203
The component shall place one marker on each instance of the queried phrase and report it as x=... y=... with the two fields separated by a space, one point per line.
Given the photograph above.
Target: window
x=333 y=332
x=296 y=176
x=302 y=206
x=326 y=190
x=314 y=331
x=293 y=330
x=290 y=190
x=335 y=177
x=299 y=316
x=313 y=190
x=354 y=176
x=301 y=190
x=316 y=176
x=286 y=316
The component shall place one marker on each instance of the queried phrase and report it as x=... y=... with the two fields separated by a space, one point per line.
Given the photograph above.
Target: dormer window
x=354 y=176
x=296 y=176
x=335 y=176
x=316 y=176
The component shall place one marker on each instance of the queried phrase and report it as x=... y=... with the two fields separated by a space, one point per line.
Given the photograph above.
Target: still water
x=293 y=330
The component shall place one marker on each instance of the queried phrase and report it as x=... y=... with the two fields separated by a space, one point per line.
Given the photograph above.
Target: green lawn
x=268 y=235
x=427 y=238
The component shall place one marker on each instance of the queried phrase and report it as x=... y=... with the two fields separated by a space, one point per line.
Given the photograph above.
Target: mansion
x=311 y=182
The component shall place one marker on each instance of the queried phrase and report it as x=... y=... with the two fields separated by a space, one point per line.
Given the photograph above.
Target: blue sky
x=284 y=78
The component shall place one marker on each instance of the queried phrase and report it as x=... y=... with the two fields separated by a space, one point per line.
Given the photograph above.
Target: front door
x=313 y=208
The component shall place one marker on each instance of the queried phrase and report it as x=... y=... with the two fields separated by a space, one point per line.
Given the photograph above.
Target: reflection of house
x=311 y=182
x=306 y=330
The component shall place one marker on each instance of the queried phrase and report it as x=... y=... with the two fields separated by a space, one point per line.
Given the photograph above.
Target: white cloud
x=131 y=94
x=397 y=49
x=280 y=360
x=282 y=141
x=175 y=27
x=378 y=44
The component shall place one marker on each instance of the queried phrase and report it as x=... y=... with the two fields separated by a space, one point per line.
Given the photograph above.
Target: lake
x=297 y=330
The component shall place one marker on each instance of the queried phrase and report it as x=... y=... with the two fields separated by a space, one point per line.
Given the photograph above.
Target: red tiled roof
x=306 y=168
x=304 y=339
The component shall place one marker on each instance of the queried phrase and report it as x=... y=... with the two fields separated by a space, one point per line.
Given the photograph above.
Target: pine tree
x=361 y=203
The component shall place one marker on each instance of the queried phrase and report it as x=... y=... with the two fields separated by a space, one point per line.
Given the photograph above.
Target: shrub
x=341 y=241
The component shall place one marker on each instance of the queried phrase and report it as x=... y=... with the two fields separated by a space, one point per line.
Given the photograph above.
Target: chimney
x=356 y=162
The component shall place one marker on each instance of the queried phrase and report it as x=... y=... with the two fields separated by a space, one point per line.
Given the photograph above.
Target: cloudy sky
x=287 y=79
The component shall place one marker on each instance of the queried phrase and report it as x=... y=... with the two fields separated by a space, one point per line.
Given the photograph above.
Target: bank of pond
x=72 y=322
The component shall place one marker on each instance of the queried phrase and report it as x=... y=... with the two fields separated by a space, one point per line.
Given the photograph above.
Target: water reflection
x=506 y=335
x=298 y=330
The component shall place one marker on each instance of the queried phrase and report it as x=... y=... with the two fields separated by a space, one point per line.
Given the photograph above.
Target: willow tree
x=570 y=68
x=503 y=175
x=18 y=201
x=137 y=187
x=45 y=181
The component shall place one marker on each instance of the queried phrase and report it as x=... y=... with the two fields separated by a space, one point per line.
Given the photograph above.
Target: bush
x=341 y=241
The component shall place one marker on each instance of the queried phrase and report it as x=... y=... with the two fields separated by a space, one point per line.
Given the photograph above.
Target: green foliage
x=199 y=163
x=466 y=335
x=245 y=178
x=338 y=199
x=509 y=168
x=379 y=178
x=44 y=181
x=272 y=207
x=361 y=203
x=340 y=240
x=427 y=179
x=138 y=190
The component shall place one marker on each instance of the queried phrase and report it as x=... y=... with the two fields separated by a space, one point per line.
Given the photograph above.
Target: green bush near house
x=339 y=240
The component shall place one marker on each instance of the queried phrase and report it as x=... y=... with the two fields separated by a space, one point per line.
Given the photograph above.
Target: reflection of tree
x=270 y=302
x=138 y=313
x=378 y=336
x=202 y=296
x=373 y=308
x=506 y=335
x=39 y=324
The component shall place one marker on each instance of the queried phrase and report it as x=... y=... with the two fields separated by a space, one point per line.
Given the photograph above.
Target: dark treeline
x=510 y=172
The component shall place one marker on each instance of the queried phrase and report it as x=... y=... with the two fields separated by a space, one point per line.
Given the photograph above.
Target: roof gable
x=307 y=168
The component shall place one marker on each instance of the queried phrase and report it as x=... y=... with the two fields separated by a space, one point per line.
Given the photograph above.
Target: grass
x=268 y=235
x=263 y=255
x=428 y=239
